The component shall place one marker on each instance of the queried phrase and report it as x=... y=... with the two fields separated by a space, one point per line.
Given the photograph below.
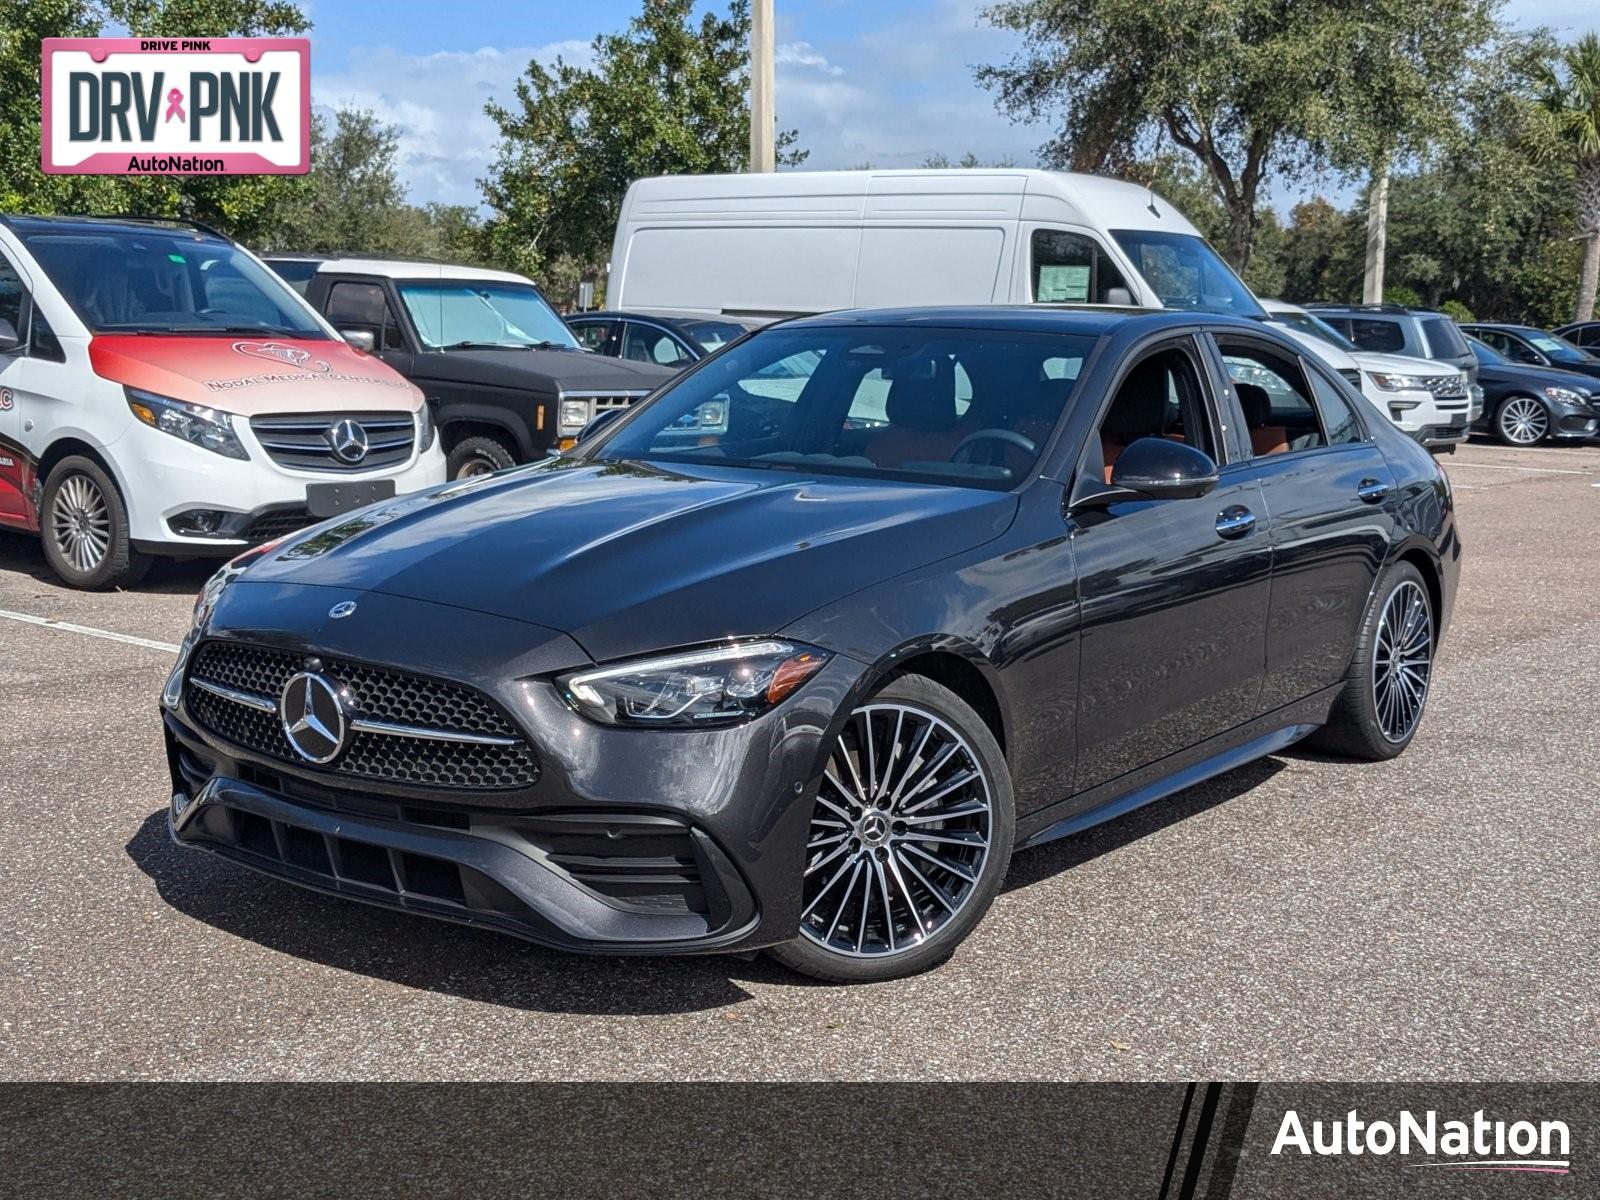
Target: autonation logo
x=1476 y=1145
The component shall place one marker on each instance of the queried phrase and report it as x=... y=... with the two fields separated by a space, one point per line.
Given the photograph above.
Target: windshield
x=1304 y=322
x=168 y=281
x=1486 y=356
x=1557 y=349
x=1186 y=272
x=964 y=407
x=484 y=313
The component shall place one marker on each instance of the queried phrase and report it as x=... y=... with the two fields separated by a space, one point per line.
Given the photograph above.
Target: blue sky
x=886 y=81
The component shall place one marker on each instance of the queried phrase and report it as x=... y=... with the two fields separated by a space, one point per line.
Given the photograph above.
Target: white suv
x=1432 y=401
x=163 y=392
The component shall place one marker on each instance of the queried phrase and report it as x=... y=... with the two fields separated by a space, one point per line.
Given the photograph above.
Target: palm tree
x=1567 y=93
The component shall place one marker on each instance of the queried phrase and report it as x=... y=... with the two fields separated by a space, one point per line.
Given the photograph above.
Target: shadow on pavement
x=1030 y=866
x=433 y=955
x=21 y=553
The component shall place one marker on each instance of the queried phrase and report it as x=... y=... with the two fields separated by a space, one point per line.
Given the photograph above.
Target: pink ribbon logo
x=175 y=105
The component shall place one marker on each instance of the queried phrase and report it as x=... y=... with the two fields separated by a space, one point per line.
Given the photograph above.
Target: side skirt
x=1216 y=756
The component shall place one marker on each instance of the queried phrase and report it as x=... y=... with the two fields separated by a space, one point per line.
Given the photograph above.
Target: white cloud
x=436 y=100
x=802 y=54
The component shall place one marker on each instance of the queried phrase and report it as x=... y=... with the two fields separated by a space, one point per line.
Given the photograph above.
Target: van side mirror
x=9 y=340
x=1162 y=469
x=1120 y=296
x=362 y=339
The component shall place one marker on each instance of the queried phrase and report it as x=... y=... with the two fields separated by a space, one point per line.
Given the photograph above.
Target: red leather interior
x=924 y=425
x=1265 y=437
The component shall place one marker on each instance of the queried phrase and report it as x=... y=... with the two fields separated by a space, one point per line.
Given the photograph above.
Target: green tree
x=1249 y=89
x=1568 y=94
x=246 y=206
x=669 y=96
x=1321 y=253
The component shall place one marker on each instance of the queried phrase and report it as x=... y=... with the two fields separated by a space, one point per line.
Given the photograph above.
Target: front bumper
x=627 y=842
x=167 y=478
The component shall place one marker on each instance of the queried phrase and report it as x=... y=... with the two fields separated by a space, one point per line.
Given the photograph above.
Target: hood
x=628 y=558
x=1336 y=358
x=1530 y=376
x=1401 y=364
x=250 y=376
x=543 y=370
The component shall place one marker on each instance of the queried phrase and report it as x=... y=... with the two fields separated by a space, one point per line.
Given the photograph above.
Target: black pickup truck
x=505 y=377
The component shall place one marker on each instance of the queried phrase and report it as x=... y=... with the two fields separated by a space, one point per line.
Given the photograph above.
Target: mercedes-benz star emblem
x=342 y=609
x=315 y=716
x=349 y=441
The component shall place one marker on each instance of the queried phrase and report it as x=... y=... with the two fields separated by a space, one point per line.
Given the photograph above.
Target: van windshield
x=972 y=408
x=168 y=281
x=1186 y=272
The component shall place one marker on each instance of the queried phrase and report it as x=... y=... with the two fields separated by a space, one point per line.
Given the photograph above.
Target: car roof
x=131 y=226
x=1090 y=320
x=397 y=268
x=1508 y=326
x=664 y=317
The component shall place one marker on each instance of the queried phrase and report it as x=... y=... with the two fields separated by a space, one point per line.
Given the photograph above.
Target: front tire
x=84 y=525
x=478 y=455
x=1386 y=687
x=1522 y=421
x=911 y=835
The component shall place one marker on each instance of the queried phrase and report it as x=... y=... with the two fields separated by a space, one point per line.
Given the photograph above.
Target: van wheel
x=479 y=456
x=84 y=524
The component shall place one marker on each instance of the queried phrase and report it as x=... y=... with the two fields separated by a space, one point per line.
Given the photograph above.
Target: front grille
x=279 y=522
x=1446 y=387
x=433 y=708
x=309 y=441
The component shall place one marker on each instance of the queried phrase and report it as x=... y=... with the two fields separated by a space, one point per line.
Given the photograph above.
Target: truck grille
x=1447 y=387
x=407 y=728
x=336 y=441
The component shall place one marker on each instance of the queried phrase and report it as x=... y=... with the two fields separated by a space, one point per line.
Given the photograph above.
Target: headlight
x=574 y=416
x=1398 y=383
x=194 y=423
x=702 y=687
x=1563 y=395
x=425 y=428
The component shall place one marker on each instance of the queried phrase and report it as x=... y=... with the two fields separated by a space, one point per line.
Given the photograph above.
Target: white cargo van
x=802 y=242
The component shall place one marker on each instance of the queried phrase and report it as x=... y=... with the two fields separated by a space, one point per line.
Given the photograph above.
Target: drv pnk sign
x=176 y=106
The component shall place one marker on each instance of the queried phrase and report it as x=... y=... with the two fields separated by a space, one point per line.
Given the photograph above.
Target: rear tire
x=479 y=455
x=914 y=759
x=83 y=523
x=1391 y=673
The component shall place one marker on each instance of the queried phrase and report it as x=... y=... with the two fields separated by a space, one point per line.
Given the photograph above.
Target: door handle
x=1372 y=490
x=1235 y=521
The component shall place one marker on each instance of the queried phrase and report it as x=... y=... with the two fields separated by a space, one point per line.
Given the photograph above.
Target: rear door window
x=1280 y=414
x=592 y=335
x=1381 y=337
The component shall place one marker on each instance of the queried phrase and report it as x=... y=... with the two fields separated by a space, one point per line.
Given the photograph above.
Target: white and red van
x=163 y=392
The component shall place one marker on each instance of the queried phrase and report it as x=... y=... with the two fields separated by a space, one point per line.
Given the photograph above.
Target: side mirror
x=1120 y=296
x=1162 y=469
x=362 y=339
x=599 y=422
x=9 y=340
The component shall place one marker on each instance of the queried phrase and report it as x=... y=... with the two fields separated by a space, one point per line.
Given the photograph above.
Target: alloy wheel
x=899 y=835
x=1524 y=421
x=1402 y=661
x=80 y=522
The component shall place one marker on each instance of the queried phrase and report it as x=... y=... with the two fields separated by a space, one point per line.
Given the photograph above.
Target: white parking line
x=30 y=619
x=1531 y=470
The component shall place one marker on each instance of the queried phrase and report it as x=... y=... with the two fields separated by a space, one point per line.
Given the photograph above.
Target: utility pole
x=1377 y=239
x=763 y=117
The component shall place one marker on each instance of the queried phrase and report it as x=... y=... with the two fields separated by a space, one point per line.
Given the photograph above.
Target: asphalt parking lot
x=1301 y=918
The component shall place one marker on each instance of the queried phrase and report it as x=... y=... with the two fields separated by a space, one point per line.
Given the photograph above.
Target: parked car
x=1528 y=405
x=671 y=339
x=1430 y=401
x=769 y=245
x=1535 y=348
x=1396 y=329
x=1585 y=335
x=507 y=380
x=1000 y=574
x=162 y=393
